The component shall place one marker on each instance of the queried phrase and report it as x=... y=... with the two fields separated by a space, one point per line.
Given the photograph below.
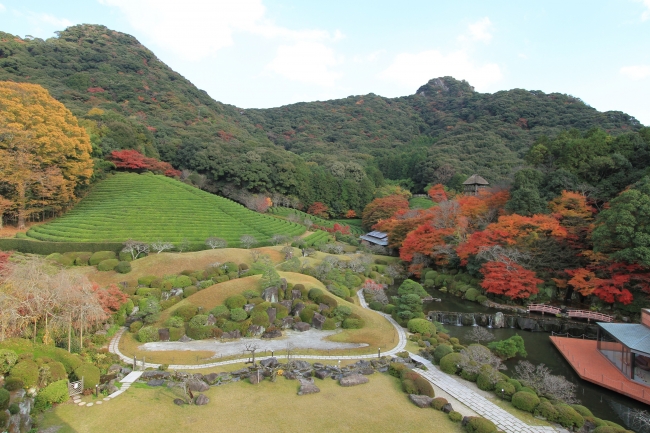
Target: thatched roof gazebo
x=474 y=184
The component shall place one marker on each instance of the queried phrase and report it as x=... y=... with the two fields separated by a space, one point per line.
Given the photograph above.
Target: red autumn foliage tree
x=509 y=279
x=424 y=240
x=110 y=298
x=437 y=193
x=318 y=209
x=130 y=159
x=382 y=208
x=401 y=223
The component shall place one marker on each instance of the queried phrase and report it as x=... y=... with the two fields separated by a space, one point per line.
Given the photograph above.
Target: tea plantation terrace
x=147 y=208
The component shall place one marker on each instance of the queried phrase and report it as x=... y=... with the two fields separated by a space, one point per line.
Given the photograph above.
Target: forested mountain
x=334 y=152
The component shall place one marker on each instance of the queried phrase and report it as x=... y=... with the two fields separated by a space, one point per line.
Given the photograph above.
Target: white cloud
x=60 y=23
x=308 y=62
x=637 y=72
x=414 y=70
x=198 y=28
x=479 y=31
x=2 y=8
x=645 y=15
x=369 y=58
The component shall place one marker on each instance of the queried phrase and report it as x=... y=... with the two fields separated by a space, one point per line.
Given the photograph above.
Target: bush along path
x=476 y=402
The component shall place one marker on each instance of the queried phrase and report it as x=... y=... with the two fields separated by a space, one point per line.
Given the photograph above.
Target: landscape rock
x=115 y=368
x=273 y=333
x=201 y=400
x=421 y=400
x=301 y=326
x=184 y=339
x=249 y=307
x=499 y=320
x=196 y=385
x=256 y=377
x=317 y=321
x=163 y=334
x=156 y=382
x=323 y=307
x=232 y=334
x=179 y=402
x=255 y=330
x=527 y=324
x=287 y=322
x=283 y=284
x=270 y=294
x=269 y=362
x=155 y=374
x=322 y=374
x=271 y=313
x=447 y=408
x=211 y=320
x=287 y=304
x=296 y=294
x=301 y=365
x=298 y=308
x=353 y=380
x=307 y=386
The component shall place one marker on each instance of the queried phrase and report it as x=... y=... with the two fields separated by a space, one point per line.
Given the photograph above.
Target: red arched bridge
x=574 y=314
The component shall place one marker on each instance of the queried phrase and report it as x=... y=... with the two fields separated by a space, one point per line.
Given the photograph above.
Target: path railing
x=567 y=335
x=543 y=308
x=574 y=314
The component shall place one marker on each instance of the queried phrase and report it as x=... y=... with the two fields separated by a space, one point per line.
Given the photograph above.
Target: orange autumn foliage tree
x=110 y=298
x=437 y=193
x=382 y=208
x=402 y=223
x=509 y=279
x=44 y=153
x=318 y=209
x=351 y=214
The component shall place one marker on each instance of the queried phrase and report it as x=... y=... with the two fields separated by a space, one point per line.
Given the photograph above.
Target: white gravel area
x=311 y=339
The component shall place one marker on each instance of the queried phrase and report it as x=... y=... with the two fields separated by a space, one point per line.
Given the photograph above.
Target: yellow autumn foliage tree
x=44 y=153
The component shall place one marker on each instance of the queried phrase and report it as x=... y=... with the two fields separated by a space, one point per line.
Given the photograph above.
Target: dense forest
x=334 y=152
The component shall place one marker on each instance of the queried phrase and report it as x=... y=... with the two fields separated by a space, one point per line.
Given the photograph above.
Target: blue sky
x=267 y=53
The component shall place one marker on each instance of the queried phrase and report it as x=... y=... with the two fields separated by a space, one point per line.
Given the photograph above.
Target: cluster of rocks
x=114 y=374
x=271 y=368
x=20 y=422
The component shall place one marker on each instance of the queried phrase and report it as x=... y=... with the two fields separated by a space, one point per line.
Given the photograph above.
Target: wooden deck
x=591 y=365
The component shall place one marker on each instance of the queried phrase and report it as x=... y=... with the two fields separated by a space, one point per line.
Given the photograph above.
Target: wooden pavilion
x=474 y=184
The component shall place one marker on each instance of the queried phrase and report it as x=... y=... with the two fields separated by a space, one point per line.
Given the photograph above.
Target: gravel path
x=311 y=339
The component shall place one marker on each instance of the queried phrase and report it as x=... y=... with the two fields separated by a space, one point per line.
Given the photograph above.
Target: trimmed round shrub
x=351 y=323
x=238 y=314
x=8 y=359
x=582 y=410
x=388 y=308
x=198 y=320
x=471 y=376
x=175 y=333
x=26 y=371
x=90 y=373
x=174 y=322
x=123 y=267
x=527 y=389
x=329 y=324
x=82 y=259
x=376 y=305
x=135 y=326
x=315 y=294
x=148 y=334
x=608 y=429
x=568 y=417
x=189 y=291
x=481 y=298
x=237 y=301
x=107 y=265
x=146 y=280
x=409 y=387
x=438 y=403
x=525 y=401
x=260 y=318
x=441 y=351
x=395 y=369
x=508 y=390
x=516 y=384
x=199 y=332
x=56 y=392
x=4 y=416
x=449 y=363
x=547 y=410
x=472 y=294
x=455 y=416
x=57 y=371
x=424 y=386
x=125 y=256
x=13 y=384
x=421 y=326
x=181 y=282
x=307 y=315
x=100 y=256
x=186 y=312
x=484 y=382
x=4 y=399
x=14 y=408
x=477 y=424
x=220 y=311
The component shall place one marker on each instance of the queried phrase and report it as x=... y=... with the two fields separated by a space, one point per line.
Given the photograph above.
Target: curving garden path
x=476 y=402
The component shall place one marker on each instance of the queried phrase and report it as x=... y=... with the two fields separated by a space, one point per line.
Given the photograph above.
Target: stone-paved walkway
x=479 y=404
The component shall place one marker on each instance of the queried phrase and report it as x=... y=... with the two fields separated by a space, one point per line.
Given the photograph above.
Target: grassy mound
x=150 y=208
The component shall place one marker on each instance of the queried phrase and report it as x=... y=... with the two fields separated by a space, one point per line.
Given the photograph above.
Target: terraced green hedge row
x=149 y=208
x=316 y=239
x=47 y=248
x=285 y=212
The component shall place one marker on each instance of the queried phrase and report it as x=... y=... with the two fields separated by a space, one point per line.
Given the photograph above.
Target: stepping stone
x=106 y=398
x=81 y=404
x=89 y=404
x=99 y=402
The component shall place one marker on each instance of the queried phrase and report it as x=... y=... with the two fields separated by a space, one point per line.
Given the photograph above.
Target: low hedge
x=508 y=390
x=455 y=416
x=107 y=265
x=421 y=326
x=525 y=401
x=100 y=256
x=186 y=312
x=568 y=417
x=46 y=248
x=477 y=424
x=351 y=323
x=148 y=334
x=26 y=371
x=56 y=392
x=123 y=267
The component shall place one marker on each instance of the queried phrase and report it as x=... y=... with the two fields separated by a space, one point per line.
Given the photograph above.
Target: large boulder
x=156 y=382
x=317 y=321
x=527 y=324
x=232 y=335
x=272 y=314
x=270 y=294
x=301 y=365
x=353 y=380
x=179 y=402
x=256 y=377
x=201 y=400
x=420 y=400
x=298 y=308
x=255 y=330
x=322 y=374
x=499 y=320
x=163 y=334
x=272 y=333
x=196 y=385
x=301 y=326
x=307 y=386
x=269 y=362
x=447 y=408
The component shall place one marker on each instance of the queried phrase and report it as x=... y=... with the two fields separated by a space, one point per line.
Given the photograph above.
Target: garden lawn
x=420 y=203
x=174 y=263
x=149 y=208
x=379 y=406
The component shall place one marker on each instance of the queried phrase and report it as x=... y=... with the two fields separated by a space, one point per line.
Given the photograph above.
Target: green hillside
x=284 y=212
x=150 y=208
